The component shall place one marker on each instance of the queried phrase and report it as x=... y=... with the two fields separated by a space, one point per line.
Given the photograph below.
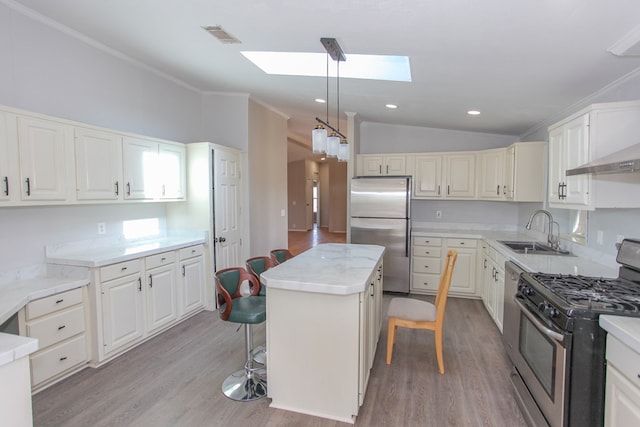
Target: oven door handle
x=548 y=332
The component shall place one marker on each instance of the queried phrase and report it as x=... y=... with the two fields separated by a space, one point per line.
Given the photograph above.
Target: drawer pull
x=462 y=243
x=427 y=252
x=63 y=358
x=61 y=327
x=59 y=301
x=123 y=268
x=163 y=259
x=426 y=266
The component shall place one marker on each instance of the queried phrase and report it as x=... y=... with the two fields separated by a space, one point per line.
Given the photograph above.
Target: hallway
x=300 y=241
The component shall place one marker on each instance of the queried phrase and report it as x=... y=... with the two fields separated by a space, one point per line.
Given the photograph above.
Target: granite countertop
x=101 y=252
x=14 y=347
x=330 y=268
x=626 y=329
x=560 y=264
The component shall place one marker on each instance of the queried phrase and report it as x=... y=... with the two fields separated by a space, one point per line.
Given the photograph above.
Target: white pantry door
x=227 y=211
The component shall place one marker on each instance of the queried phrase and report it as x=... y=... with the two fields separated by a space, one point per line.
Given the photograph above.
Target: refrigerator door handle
x=406 y=240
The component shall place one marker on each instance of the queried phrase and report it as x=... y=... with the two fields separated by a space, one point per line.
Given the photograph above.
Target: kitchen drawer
x=53 y=303
x=427 y=241
x=462 y=243
x=120 y=269
x=59 y=358
x=624 y=359
x=425 y=282
x=57 y=327
x=427 y=251
x=159 y=260
x=426 y=265
x=190 y=252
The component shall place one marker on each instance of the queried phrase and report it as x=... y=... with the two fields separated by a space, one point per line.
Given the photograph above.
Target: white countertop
x=330 y=268
x=14 y=347
x=559 y=264
x=98 y=253
x=626 y=329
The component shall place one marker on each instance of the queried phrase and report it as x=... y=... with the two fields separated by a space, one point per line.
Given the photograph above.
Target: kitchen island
x=323 y=324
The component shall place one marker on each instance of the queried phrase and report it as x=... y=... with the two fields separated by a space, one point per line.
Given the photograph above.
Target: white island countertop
x=626 y=329
x=330 y=268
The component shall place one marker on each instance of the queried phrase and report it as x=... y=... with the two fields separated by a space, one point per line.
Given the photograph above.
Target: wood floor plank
x=175 y=378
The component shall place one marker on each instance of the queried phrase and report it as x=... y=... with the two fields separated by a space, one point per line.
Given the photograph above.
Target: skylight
x=372 y=67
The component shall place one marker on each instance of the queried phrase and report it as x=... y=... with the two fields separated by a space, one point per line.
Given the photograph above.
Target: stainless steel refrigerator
x=380 y=215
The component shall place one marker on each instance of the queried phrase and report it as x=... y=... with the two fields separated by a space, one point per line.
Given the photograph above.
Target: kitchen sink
x=532 y=248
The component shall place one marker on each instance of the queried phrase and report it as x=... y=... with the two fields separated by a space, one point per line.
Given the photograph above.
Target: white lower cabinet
x=134 y=300
x=59 y=324
x=426 y=265
x=622 y=395
x=491 y=272
x=191 y=279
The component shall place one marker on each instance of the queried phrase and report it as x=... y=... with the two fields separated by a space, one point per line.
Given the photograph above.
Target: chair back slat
x=445 y=283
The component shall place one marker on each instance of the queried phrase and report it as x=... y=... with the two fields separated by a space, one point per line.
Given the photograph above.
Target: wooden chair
x=417 y=314
x=278 y=256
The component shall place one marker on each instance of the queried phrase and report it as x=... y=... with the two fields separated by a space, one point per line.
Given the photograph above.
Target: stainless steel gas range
x=552 y=336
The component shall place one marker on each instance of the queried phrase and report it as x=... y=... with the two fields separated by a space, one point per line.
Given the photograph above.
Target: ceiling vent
x=629 y=45
x=217 y=32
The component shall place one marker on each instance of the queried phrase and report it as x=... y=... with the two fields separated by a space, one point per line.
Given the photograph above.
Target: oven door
x=541 y=360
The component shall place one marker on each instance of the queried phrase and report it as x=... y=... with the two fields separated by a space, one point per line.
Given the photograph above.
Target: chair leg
x=438 y=334
x=391 y=338
x=246 y=384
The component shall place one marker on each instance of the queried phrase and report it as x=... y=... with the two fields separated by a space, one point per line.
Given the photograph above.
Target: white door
x=227 y=198
x=309 y=206
x=42 y=145
x=490 y=176
x=98 y=165
x=461 y=175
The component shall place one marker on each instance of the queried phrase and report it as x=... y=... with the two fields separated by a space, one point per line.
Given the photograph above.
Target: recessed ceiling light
x=320 y=100
x=391 y=106
x=473 y=112
x=373 y=67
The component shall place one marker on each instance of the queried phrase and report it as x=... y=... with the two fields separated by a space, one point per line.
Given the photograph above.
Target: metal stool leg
x=249 y=383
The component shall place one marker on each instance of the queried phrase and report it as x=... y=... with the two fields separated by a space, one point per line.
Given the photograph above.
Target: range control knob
x=550 y=312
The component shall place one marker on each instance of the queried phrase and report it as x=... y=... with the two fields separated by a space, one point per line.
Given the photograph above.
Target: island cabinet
x=323 y=323
x=492 y=276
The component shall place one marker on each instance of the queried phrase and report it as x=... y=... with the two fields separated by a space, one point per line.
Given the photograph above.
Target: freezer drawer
x=392 y=234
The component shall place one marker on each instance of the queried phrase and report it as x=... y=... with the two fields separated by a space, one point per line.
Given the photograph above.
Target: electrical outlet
x=438 y=214
x=102 y=228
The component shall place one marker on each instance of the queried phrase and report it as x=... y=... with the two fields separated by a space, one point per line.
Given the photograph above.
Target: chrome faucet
x=552 y=240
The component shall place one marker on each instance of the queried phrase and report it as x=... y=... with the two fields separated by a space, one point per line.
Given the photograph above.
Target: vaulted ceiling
x=519 y=62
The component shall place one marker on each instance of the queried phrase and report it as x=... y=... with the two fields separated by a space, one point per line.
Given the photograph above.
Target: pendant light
x=336 y=144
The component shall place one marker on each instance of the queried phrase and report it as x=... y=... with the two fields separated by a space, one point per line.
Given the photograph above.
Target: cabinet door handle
x=438 y=189
x=61 y=327
x=139 y=284
x=498 y=190
x=163 y=189
x=128 y=188
x=150 y=281
x=380 y=169
x=372 y=289
x=387 y=169
x=485 y=263
x=6 y=185
x=448 y=190
x=184 y=271
x=504 y=190
x=28 y=186
x=117 y=189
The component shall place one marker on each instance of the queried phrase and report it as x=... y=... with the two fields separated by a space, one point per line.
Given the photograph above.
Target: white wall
x=386 y=138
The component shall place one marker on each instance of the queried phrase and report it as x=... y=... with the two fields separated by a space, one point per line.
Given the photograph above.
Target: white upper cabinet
x=445 y=175
x=172 y=178
x=98 y=165
x=524 y=172
x=584 y=137
x=44 y=163
x=153 y=169
x=569 y=148
x=381 y=165
x=491 y=174
x=8 y=179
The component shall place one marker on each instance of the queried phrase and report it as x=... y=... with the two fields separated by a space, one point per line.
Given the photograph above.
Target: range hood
x=625 y=160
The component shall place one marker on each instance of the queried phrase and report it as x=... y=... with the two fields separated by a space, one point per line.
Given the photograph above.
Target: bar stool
x=256 y=266
x=278 y=256
x=249 y=383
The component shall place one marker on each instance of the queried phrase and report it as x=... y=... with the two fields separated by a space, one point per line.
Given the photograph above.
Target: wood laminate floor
x=175 y=378
x=300 y=241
